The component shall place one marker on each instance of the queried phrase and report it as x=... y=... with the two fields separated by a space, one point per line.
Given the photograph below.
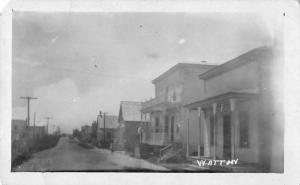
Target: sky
x=80 y=63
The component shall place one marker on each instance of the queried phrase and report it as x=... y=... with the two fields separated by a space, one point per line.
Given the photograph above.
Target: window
x=172 y=128
x=167 y=124
x=157 y=124
x=212 y=133
x=174 y=96
x=244 y=129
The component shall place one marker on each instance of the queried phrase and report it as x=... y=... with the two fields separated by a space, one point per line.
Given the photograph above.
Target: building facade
x=37 y=131
x=174 y=88
x=23 y=137
x=18 y=129
x=240 y=116
x=133 y=125
x=86 y=132
x=107 y=126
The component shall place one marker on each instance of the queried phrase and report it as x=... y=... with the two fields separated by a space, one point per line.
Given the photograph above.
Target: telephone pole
x=28 y=98
x=104 y=131
x=97 y=126
x=48 y=118
x=104 y=127
x=34 y=115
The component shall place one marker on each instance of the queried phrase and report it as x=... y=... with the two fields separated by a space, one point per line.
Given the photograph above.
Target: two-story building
x=240 y=115
x=176 y=87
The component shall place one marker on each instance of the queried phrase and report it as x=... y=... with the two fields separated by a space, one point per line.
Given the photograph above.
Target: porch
x=158 y=138
x=218 y=127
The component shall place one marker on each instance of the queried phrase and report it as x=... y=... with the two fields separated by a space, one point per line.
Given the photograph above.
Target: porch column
x=234 y=120
x=163 y=122
x=215 y=128
x=199 y=131
x=205 y=134
x=188 y=133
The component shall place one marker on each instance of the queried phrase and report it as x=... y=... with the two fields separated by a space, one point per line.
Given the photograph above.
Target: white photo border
x=268 y=9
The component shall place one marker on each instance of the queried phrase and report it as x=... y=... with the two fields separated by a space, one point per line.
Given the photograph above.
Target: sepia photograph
x=194 y=92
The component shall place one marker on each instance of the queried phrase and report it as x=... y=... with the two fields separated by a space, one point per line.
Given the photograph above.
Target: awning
x=221 y=98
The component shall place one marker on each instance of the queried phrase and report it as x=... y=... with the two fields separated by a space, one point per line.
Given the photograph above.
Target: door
x=167 y=125
x=172 y=128
x=227 y=137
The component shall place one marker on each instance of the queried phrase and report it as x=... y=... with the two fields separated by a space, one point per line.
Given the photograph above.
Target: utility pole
x=28 y=98
x=104 y=126
x=97 y=126
x=48 y=118
x=34 y=115
x=104 y=131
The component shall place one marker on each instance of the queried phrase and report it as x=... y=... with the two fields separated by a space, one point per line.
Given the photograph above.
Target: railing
x=158 y=138
x=170 y=151
x=160 y=99
x=164 y=150
x=153 y=101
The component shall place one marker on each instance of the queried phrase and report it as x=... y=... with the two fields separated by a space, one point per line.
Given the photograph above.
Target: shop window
x=244 y=129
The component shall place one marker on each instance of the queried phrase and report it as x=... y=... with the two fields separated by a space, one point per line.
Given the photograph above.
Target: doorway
x=226 y=137
x=172 y=128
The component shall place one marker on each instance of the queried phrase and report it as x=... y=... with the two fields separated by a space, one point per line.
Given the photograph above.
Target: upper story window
x=174 y=96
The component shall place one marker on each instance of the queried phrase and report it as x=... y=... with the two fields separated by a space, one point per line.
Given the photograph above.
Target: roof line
x=175 y=67
x=231 y=64
x=130 y=101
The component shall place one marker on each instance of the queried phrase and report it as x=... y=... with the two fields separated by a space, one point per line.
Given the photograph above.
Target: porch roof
x=222 y=97
x=162 y=106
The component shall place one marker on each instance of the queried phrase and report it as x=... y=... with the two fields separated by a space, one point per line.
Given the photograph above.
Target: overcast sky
x=80 y=63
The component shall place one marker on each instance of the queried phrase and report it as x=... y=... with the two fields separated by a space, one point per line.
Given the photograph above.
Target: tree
x=94 y=130
x=76 y=133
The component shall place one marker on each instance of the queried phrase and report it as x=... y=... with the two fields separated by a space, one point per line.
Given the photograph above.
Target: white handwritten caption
x=217 y=162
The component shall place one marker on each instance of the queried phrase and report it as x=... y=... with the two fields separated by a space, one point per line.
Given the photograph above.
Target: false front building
x=240 y=116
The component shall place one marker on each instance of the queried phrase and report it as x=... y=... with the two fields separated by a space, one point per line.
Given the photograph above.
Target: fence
x=22 y=148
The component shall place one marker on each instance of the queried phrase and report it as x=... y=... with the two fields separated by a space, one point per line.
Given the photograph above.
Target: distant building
x=133 y=125
x=240 y=113
x=18 y=129
x=37 y=131
x=177 y=86
x=22 y=136
x=86 y=132
x=111 y=124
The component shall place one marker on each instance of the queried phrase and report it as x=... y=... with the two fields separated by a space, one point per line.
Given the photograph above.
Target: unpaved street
x=69 y=156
